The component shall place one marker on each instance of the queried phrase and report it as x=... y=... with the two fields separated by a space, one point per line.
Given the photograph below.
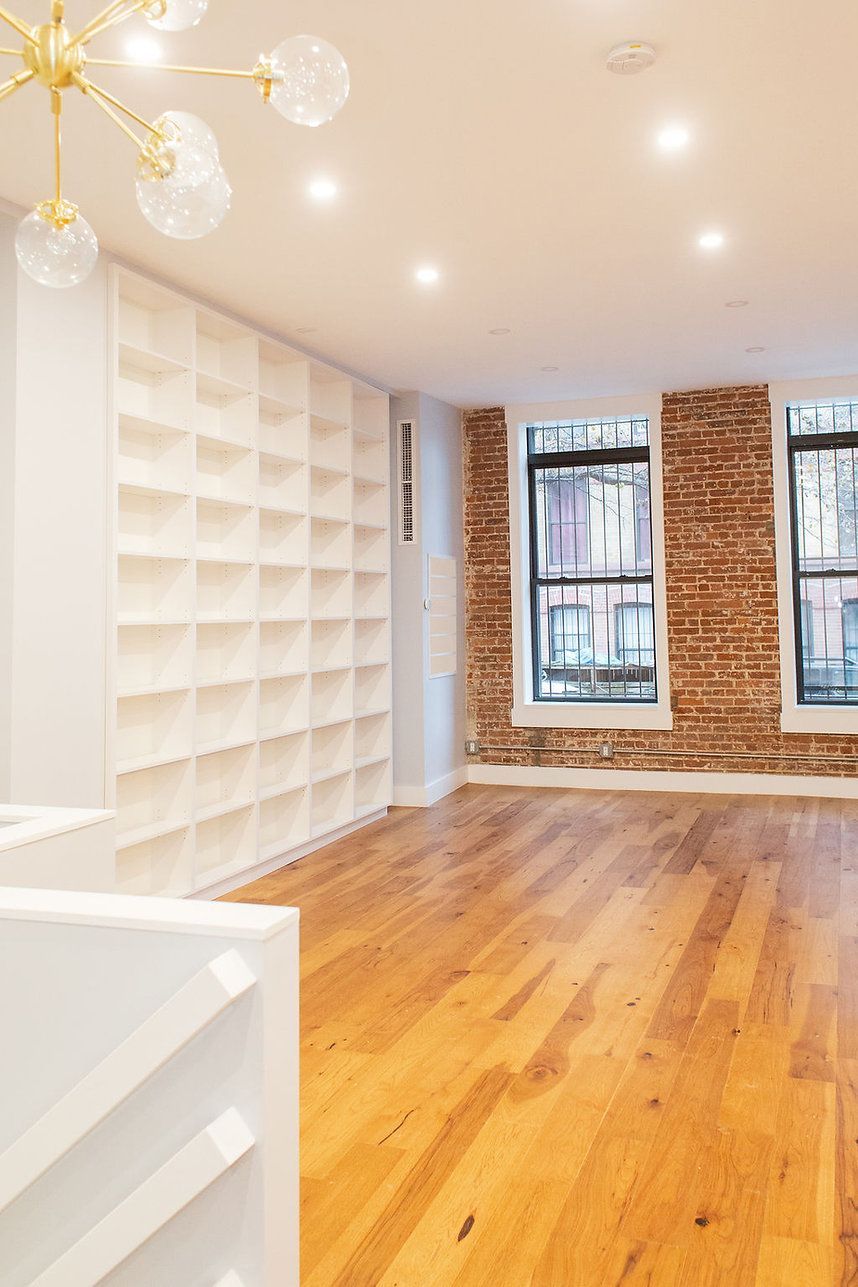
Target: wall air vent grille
x=406 y=482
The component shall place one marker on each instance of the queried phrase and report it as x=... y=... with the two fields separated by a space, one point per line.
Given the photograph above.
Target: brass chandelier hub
x=52 y=56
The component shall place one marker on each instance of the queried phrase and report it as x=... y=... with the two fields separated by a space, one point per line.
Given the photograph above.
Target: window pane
x=829 y=638
x=596 y=642
x=824 y=417
x=825 y=505
x=592 y=520
x=591 y=534
x=588 y=435
x=825 y=550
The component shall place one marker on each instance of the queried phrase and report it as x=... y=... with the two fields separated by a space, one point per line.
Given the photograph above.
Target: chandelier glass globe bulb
x=185 y=211
x=56 y=254
x=182 y=153
x=310 y=80
x=175 y=15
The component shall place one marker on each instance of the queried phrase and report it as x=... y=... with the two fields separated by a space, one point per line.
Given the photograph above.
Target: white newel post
x=148 y=1092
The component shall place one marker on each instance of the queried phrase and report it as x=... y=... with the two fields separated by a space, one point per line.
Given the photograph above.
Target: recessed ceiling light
x=551 y=368
x=711 y=240
x=143 y=49
x=736 y=303
x=322 y=189
x=756 y=348
x=500 y=330
x=673 y=138
x=427 y=275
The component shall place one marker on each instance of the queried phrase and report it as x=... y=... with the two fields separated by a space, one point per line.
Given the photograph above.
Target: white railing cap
x=156 y=915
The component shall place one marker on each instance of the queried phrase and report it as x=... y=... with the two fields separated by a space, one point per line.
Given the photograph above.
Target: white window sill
x=586 y=715
x=819 y=719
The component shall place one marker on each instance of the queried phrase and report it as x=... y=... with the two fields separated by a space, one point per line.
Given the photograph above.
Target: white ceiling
x=486 y=136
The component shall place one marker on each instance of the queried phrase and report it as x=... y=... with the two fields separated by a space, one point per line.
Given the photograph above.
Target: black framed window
x=822 y=441
x=591 y=582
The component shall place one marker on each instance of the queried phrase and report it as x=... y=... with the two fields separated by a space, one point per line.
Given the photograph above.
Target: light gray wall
x=443 y=534
x=8 y=357
x=428 y=714
x=406 y=626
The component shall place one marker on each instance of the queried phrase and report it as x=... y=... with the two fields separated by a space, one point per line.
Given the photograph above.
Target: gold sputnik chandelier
x=182 y=188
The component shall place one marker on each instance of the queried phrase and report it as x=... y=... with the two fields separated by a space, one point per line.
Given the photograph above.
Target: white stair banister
x=122 y=1072
x=173 y=1186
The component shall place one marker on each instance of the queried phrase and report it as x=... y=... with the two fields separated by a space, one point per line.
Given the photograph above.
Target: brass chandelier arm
x=109 y=17
x=16 y=53
x=21 y=27
x=15 y=82
x=122 y=107
x=167 y=67
x=57 y=109
x=87 y=87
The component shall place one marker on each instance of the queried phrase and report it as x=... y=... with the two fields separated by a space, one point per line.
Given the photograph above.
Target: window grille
x=591 y=581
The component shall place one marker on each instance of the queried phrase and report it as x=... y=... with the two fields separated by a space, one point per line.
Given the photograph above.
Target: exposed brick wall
x=721 y=601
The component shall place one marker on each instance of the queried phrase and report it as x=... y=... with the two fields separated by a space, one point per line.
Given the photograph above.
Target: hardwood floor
x=581 y=1039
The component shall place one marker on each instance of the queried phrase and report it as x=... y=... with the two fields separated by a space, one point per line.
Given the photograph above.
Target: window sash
x=567 y=558
x=824 y=550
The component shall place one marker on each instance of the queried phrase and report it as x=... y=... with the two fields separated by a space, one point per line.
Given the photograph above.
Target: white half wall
x=149 y=1106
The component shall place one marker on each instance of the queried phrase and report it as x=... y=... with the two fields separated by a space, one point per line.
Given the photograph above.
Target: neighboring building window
x=635 y=633
x=807 y=627
x=850 y=630
x=570 y=633
x=568 y=523
x=823 y=466
x=591 y=561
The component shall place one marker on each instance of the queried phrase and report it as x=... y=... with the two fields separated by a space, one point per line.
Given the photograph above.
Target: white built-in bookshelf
x=252 y=677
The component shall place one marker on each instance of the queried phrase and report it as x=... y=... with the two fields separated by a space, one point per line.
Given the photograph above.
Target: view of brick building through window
x=822 y=441
x=591 y=560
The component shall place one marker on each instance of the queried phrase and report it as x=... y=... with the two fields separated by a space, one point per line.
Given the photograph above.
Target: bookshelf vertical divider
x=251 y=675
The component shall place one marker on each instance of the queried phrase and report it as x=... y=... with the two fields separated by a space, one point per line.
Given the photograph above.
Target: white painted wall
x=60 y=552
x=429 y=714
x=53 y=516
x=8 y=357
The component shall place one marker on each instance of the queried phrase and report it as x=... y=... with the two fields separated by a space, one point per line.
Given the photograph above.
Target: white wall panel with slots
x=252 y=662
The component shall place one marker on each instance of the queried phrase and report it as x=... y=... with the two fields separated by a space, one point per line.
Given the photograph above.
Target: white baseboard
x=413 y=797
x=663 y=780
x=250 y=874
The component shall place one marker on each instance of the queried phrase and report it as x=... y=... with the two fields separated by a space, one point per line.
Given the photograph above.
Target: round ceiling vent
x=632 y=57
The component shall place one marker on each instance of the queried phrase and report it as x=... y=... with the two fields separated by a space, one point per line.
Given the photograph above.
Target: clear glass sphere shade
x=193 y=130
x=53 y=256
x=179 y=15
x=185 y=212
x=311 y=80
x=188 y=146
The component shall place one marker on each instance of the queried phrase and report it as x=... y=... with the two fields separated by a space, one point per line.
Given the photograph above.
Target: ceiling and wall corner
x=489 y=140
